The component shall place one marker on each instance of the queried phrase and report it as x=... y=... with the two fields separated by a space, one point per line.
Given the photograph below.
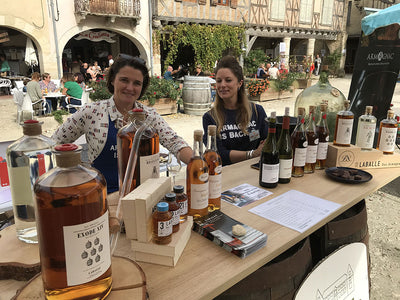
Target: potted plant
x=255 y=87
x=304 y=80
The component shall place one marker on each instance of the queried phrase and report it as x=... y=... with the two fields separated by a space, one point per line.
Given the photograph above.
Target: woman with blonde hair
x=241 y=125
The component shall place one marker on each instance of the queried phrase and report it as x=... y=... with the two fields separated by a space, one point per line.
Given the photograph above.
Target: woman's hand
x=257 y=152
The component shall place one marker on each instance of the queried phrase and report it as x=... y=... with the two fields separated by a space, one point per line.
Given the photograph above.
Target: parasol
x=30 y=53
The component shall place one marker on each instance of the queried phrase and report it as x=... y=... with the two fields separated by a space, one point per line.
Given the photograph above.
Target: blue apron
x=107 y=162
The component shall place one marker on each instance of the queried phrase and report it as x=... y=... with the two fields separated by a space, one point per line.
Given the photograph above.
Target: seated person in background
x=261 y=71
x=241 y=126
x=4 y=66
x=199 y=71
x=72 y=90
x=35 y=93
x=46 y=84
x=97 y=70
x=85 y=73
x=168 y=74
x=273 y=72
x=283 y=70
x=78 y=77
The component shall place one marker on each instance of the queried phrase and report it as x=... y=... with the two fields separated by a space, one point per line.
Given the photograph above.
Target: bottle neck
x=286 y=122
x=300 y=123
x=271 y=128
x=197 y=149
x=212 y=143
x=311 y=125
x=322 y=121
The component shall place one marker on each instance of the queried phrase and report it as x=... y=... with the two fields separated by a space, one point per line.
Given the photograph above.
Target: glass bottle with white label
x=214 y=164
x=387 y=134
x=73 y=229
x=182 y=200
x=175 y=210
x=197 y=179
x=162 y=224
x=366 y=130
x=312 y=139
x=27 y=159
x=299 y=145
x=344 y=126
x=323 y=138
x=285 y=150
x=148 y=159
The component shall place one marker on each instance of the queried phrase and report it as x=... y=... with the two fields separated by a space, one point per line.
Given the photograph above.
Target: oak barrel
x=196 y=95
x=277 y=280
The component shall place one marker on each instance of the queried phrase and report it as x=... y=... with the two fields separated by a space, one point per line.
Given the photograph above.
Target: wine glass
x=173 y=167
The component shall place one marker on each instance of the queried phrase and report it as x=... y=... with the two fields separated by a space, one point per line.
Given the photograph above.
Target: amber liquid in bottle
x=162 y=224
x=343 y=126
x=299 y=145
x=387 y=134
x=182 y=200
x=312 y=140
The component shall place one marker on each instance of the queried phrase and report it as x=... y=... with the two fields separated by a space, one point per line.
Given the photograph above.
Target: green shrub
x=58 y=115
x=161 y=88
x=100 y=91
x=253 y=60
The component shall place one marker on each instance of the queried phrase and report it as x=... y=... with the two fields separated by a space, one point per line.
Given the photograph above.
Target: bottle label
x=311 y=156
x=203 y=177
x=149 y=167
x=218 y=170
x=387 y=140
x=270 y=173
x=285 y=168
x=365 y=134
x=300 y=155
x=199 y=195
x=176 y=216
x=20 y=184
x=87 y=250
x=214 y=186
x=343 y=132
x=183 y=207
x=164 y=228
x=322 y=151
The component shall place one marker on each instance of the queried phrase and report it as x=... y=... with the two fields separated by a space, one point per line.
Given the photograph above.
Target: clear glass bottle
x=214 y=164
x=299 y=145
x=175 y=210
x=182 y=200
x=197 y=179
x=162 y=224
x=323 y=138
x=27 y=159
x=269 y=161
x=344 y=126
x=148 y=153
x=366 y=130
x=73 y=229
x=285 y=150
x=387 y=134
x=312 y=140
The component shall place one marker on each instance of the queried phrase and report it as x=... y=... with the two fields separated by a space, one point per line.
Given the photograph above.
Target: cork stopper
x=273 y=115
x=390 y=114
x=137 y=114
x=323 y=107
x=311 y=109
x=198 y=135
x=287 y=111
x=32 y=127
x=301 y=111
x=67 y=155
x=346 y=104
x=368 y=110
x=212 y=130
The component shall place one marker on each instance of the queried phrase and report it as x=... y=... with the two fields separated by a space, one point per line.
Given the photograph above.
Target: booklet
x=244 y=194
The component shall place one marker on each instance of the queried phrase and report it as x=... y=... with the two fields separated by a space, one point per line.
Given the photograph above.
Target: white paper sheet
x=244 y=194
x=296 y=210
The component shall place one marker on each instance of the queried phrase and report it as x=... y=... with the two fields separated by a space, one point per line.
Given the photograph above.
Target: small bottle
x=299 y=145
x=312 y=140
x=27 y=159
x=366 y=130
x=214 y=164
x=182 y=200
x=285 y=150
x=343 y=126
x=73 y=230
x=398 y=127
x=269 y=161
x=45 y=91
x=197 y=179
x=387 y=134
x=323 y=138
x=174 y=208
x=162 y=224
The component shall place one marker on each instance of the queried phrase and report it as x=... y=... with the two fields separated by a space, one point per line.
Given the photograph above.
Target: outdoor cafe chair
x=84 y=100
x=6 y=84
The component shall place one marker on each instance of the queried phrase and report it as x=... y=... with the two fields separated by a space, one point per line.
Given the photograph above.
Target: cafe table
x=55 y=98
x=205 y=270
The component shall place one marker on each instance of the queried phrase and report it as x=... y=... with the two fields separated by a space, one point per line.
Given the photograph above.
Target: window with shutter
x=327 y=12
x=277 y=10
x=306 y=10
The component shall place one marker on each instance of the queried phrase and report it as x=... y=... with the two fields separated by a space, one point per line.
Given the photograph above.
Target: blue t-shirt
x=232 y=138
x=168 y=75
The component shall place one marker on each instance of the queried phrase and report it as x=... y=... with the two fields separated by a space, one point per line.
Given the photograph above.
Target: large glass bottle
x=344 y=126
x=269 y=161
x=285 y=150
x=323 y=138
x=387 y=134
x=27 y=159
x=312 y=140
x=214 y=164
x=366 y=130
x=299 y=145
x=197 y=179
x=73 y=230
x=148 y=160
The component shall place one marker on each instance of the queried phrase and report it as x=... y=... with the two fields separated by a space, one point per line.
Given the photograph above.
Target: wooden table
x=206 y=270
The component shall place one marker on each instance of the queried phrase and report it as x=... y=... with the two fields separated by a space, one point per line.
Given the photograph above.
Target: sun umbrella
x=30 y=53
x=381 y=18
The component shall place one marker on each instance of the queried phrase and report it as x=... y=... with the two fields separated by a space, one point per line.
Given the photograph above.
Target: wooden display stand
x=354 y=157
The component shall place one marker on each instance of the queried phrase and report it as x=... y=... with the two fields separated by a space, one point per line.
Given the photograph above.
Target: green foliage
x=58 y=115
x=285 y=82
x=256 y=87
x=253 y=60
x=100 y=91
x=333 y=61
x=161 y=88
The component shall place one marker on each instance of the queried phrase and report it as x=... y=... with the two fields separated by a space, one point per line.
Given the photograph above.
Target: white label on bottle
x=203 y=177
x=183 y=207
x=270 y=173
x=322 y=151
x=87 y=250
x=365 y=134
x=176 y=216
x=199 y=195
x=285 y=168
x=311 y=156
x=20 y=184
x=300 y=155
x=218 y=170
x=149 y=167
x=214 y=186
x=387 y=140
x=327 y=138
x=344 y=129
x=164 y=228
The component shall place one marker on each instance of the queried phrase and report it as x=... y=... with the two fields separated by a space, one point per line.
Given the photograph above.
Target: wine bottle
x=299 y=145
x=269 y=161
x=312 y=139
x=343 y=126
x=214 y=164
x=197 y=179
x=285 y=150
x=366 y=130
x=387 y=134
x=323 y=138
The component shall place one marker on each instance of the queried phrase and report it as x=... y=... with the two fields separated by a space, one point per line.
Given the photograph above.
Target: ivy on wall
x=209 y=42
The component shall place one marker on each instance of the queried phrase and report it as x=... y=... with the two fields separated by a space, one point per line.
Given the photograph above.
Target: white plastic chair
x=84 y=100
x=26 y=109
x=5 y=83
x=19 y=84
x=18 y=97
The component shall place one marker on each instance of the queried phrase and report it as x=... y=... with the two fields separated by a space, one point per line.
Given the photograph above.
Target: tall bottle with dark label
x=312 y=140
x=73 y=230
x=214 y=164
x=387 y=134
x=323 y=138
x=344 y=126
x=366 y=130
x=299 y=145
x=148 y=159
x=197 y=179
x=285 y=150
x=269 y=161
x=27 y=159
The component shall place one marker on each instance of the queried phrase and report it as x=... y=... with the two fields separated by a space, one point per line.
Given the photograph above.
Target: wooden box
x=354 y=157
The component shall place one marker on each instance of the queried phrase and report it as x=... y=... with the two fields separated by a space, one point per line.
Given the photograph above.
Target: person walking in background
x=282 y=70
x=273 y=72
x=317 y=63
x=199 y=71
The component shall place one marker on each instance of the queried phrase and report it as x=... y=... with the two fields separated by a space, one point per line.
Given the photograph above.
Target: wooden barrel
x=196 y=95
x=278 y=279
